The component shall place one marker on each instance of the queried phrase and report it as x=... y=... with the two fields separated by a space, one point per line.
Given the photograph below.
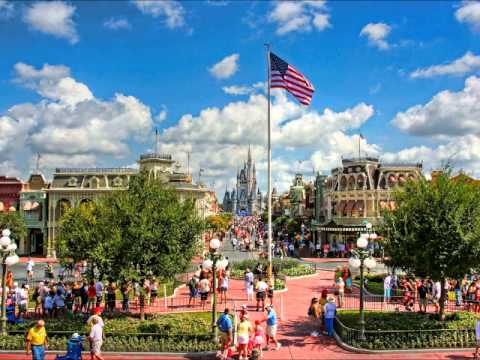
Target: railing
x=155 y=156
x=398 y=303
x=405 y=339
x=94 y=170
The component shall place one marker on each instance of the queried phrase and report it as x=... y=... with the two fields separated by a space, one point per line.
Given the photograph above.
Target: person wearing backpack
x=192 y=287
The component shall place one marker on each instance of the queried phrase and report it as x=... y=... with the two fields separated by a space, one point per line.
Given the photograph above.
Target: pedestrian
x=99 y=292
x=387 y=288
x=59 y=303
x=224 y=281
x=243 y=337
x=125 y=290
x=271 y=320
x=37 y=341
x=48 y=304
x=258 y=340
x=248 y=281
x=225 y=326
x=436 y=293
x=330 y=311
x=22 y=301
x=261 y=288
x=204 y=289
x=193 y=289
x=314 y=311
x=30 y=265
x=340 y=290
x=96 y=339
x=111 y=296
x=422 y=296
x=92 y=296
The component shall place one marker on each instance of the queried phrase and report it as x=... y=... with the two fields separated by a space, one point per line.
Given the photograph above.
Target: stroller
x=74 y=349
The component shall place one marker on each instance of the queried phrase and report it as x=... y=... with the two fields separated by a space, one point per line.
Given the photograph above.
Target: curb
x=291 y=278
x=202 y=354
x=353 y=349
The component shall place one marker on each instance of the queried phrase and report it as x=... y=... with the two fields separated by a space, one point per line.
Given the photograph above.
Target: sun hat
x=75 y=335
x=330 y=299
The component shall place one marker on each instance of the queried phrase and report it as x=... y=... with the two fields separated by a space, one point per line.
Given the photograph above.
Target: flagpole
x=269 y=187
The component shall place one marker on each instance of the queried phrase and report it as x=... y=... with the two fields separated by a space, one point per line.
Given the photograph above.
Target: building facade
x=246 y=198
x=10 y=188
x=356 y=194
x=71 y=187
x=33 y=208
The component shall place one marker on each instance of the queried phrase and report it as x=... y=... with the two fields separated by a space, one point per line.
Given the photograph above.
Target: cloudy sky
x=86 y=84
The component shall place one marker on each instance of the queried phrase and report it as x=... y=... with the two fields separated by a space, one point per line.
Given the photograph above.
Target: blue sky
x=360 y=56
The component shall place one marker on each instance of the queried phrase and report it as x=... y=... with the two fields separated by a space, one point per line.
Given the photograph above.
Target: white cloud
x=117 y=24
x=244 y=89
x=466 y=64
x=162 y=115
x=469 y=13
x=6 y=9
x=52 y=82
x=69 y=125
x=376 y=34
x=172 y=11
x=218 y=137
x=226 y=67
x=299 y=16
x=446 y=114
x=52 y=17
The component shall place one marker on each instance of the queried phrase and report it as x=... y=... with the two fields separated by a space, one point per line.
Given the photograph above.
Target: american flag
x=285 y=76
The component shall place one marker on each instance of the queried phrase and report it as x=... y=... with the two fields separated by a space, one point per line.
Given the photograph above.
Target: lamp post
x=360 y=259
x=9 y=258
x=214 y=262
x=303 y=233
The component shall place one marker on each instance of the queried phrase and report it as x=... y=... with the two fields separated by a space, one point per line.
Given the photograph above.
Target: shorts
x=224 y=339
x=261 y=295
x=193 y=293
x=271 y=330
x=249 y=289
x=242 y=339
x=204 y=295
x=154 y=293
x=96 y=346
x=223 y=289
x=22 y=308
x=423 y=301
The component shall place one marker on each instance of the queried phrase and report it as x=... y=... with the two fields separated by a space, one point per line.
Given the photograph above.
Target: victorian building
x=356 y=194
x=33 y=208
x=71 y=187
x=10 y=188
x=246 y=198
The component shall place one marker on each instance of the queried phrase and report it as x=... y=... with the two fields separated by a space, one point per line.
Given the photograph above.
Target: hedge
x=392 y=331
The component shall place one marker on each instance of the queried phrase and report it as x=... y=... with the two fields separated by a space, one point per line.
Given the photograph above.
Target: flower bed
x=405 y=330
x=286 y=267
x=184 y=332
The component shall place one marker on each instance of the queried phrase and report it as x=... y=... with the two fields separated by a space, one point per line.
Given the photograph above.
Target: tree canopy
x=434 y=230
x=144 y=231
x=14 y=221
x=219 y=223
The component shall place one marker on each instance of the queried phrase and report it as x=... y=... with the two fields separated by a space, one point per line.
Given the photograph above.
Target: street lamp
x=214 y=261
x=9 y=258
x=360 y=259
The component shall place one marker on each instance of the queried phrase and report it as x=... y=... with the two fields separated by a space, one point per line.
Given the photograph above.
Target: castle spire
x=249 y=154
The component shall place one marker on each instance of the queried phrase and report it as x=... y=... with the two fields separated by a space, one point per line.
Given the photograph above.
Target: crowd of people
x=202 y=285
x=407 y=289
x=247 y=233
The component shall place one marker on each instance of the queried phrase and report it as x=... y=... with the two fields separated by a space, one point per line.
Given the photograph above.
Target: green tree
x=434 y=230
x=151 y=231
x=14 y=221
x=79 y=238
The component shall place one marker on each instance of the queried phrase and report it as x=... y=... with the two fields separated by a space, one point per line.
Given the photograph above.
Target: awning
x=340 y=206
x=350 y=205
x=27 y=205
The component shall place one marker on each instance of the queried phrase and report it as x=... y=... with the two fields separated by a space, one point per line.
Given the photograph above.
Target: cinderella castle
x=246 y=198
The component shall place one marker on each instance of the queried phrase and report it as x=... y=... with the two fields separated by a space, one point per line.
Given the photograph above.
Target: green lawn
x=373 y=287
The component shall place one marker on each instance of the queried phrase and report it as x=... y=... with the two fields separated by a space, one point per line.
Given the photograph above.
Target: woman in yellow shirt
x=243 y=337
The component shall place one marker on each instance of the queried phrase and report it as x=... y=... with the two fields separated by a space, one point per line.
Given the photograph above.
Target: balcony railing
x=94 y=170
x=155 y=156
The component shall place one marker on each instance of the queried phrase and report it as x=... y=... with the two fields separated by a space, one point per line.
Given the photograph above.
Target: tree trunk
x=443 y=297
x=142 y=306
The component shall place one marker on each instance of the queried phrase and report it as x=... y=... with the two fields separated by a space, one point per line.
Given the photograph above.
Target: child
x=48 y=304
x=258 y=339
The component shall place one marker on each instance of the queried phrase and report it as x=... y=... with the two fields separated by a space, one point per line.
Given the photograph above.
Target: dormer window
x=72 y=182
x=118 y=181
